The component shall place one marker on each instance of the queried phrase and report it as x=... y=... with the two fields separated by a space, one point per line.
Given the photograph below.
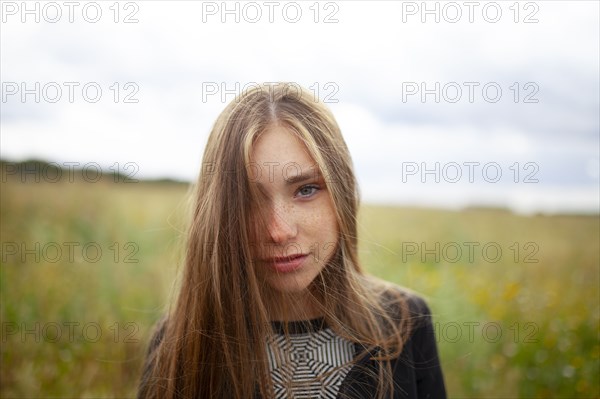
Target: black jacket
x=417 y=372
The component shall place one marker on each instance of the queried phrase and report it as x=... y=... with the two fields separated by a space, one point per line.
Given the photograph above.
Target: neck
x=293 y=307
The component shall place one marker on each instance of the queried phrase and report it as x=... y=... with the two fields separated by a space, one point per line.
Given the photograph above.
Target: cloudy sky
x=447 y=104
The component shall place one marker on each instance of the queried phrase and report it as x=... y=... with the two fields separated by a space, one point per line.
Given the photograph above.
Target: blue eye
x=308 y=190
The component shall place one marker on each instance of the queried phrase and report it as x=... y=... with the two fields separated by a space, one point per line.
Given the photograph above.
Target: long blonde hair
x=214 y=339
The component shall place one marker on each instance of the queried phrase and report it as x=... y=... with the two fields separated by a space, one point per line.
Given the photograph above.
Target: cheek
x=322 y=225
x=329 y=226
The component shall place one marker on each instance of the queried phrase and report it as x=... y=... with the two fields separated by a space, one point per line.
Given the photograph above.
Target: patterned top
x=316 y=350
x=312 y=363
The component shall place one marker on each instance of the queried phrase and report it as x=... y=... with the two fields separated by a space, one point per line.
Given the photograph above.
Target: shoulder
x=420 y=358
x=394 y=294
x=400 y=303
x=416 y=369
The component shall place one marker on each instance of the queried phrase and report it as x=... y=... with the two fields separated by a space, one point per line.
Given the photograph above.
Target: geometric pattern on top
x=308 y=371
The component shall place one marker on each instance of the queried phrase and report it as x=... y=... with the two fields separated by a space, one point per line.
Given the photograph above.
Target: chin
x=289 y=285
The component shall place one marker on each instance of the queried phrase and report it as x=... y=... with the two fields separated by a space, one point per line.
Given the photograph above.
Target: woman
x=273 y=302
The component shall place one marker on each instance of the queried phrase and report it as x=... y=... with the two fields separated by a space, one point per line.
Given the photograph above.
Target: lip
x=286 y=264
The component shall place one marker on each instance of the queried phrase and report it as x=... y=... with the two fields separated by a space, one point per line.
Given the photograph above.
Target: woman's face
x=300 y=230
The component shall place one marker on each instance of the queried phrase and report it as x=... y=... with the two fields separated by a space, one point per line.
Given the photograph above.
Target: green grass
x=541 y=319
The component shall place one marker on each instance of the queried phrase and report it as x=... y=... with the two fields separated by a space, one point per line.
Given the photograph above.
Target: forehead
x=278 y=146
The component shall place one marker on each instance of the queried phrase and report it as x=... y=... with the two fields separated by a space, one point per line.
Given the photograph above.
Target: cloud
x=363 y=64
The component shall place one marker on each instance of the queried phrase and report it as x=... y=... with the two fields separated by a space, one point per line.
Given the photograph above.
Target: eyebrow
x=302 y=177
x=314 y=174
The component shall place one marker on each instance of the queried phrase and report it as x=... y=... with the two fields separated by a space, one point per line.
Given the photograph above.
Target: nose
x=281 y=225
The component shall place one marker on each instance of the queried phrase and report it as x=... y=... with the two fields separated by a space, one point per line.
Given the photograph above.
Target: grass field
x=87 y=268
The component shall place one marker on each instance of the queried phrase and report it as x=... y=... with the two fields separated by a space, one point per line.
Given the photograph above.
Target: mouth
x=286 y=264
